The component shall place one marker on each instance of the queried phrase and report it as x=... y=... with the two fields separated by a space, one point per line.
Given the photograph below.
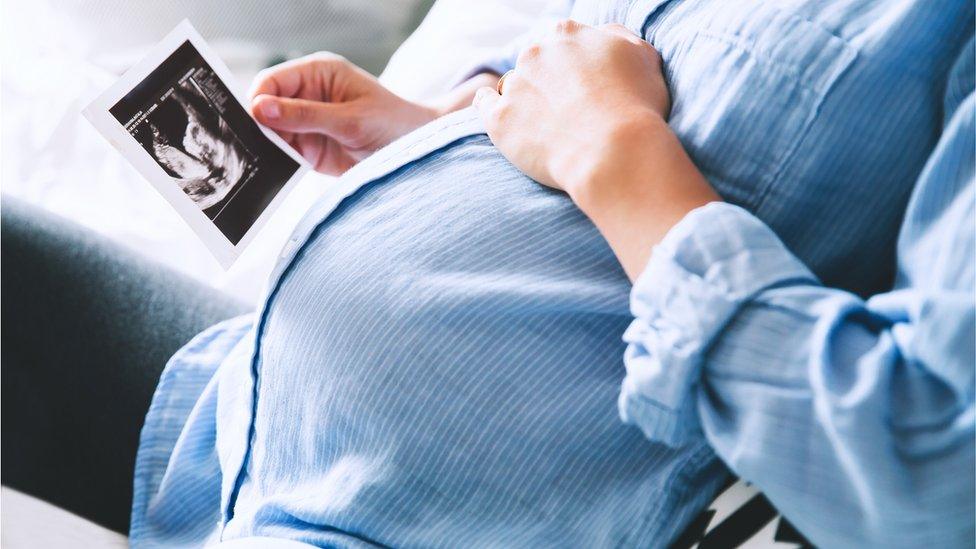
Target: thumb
x=484 y=101
x=302 y=115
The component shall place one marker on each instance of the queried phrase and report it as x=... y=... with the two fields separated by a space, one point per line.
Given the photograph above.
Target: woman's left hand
x=585 y=111
x=579 y=88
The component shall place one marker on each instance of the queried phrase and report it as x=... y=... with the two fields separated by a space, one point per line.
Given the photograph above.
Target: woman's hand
x=585 y=111
x=335 y=113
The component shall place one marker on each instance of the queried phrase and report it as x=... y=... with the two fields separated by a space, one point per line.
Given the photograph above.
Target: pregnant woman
x=437 y=362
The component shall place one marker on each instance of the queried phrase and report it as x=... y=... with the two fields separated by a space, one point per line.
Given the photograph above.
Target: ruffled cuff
x=711 y=263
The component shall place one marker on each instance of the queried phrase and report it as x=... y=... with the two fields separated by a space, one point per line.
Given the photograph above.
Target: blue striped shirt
x=438 y=359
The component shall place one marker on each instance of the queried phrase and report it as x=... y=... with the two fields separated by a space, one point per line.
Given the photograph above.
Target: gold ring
x=501 y=81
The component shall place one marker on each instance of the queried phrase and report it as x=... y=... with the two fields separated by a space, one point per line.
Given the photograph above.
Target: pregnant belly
x=442 y=364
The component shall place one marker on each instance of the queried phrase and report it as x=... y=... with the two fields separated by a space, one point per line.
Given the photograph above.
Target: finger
x=485 y=101
x=504 y=83
x=311 y=148
x=289 y=138
x=620 y=30
x=285 y=79
x=301 y=115
x=263 y=84
x=569 y=26
x=528 y=57
x=624 y=32
x=278 y=80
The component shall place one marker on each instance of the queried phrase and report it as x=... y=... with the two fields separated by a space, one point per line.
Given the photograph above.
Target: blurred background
x=57 y=55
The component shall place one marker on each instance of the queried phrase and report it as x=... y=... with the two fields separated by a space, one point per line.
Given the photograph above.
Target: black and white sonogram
x=188 y=121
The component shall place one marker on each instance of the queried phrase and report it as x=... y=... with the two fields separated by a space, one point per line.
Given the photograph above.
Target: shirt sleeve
x=503 y=60
x=856 y=418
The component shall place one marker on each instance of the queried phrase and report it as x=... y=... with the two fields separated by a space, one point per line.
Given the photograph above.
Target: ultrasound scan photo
x=188 y=121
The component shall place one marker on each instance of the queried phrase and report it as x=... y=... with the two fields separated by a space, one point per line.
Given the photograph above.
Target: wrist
x=610 y=163
x=642 y=185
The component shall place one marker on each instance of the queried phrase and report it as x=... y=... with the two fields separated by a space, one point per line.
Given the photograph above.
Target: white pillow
x=454 y=35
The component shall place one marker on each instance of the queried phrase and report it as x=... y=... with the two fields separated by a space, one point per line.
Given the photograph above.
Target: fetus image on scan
x=193 y=143
x=200 y=139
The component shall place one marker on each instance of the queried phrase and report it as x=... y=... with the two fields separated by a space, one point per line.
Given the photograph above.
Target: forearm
x=637 y=187
x=846 y=414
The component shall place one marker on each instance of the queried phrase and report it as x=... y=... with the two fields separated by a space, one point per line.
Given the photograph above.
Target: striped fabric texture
x=438 y=361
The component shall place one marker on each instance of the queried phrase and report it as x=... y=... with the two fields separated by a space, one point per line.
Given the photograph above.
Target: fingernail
x=271 y=110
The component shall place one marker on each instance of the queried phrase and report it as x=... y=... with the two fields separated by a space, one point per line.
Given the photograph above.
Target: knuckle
x=304 y=113
x=263 y=82
x=328 y=58
x=529 y=54
x=513 y=84
x=567 y=26
x=622 y=36
x=621 y=44
x=653 y=53
x=503 y=112
x=351 y=127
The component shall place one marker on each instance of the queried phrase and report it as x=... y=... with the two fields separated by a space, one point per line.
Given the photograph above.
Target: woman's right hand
x=333 y=112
